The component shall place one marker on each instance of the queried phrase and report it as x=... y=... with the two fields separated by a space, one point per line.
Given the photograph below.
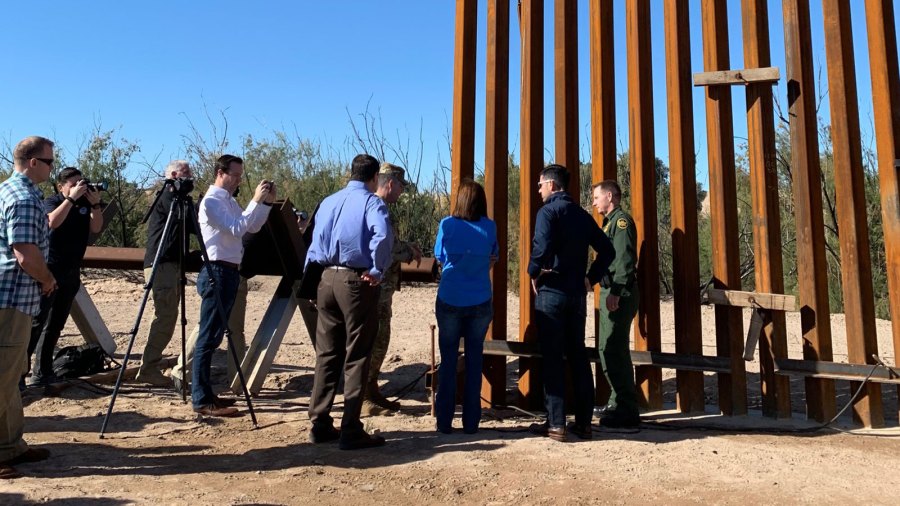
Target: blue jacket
x=563 y=232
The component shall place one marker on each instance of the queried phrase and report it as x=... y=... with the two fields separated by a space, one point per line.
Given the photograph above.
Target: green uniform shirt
x=400 y=252
x=620 y=229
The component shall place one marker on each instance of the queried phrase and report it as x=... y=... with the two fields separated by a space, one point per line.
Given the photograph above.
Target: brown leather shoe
x=9 y=472
x=557 y=434
x=213 y=410
x=30 y=455
x=328 y=433
x=545 y=430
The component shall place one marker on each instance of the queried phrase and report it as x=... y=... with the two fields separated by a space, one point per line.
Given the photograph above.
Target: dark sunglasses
x=48 y=161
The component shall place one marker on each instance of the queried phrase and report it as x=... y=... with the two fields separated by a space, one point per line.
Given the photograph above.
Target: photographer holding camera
x=166 y=290
x=74 y=213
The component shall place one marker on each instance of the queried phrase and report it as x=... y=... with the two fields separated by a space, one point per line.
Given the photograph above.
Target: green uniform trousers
x=615 y=352
x=383 y=338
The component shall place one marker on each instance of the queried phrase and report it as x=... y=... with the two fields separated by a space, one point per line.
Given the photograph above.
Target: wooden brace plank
x=756 y=300
x=768 y=75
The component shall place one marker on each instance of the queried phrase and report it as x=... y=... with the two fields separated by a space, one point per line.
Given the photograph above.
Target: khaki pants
x=235 y=323
x=166 y=293
x=15 y=332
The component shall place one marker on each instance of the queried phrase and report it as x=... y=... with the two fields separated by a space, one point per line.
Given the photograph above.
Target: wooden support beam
x=603 y=130
x=532 y=161
x=683 y=188
x=642 y=158
x=723 y=208
x=883 y=65
x=462 y=154
x=565 y=62
x=765 y=75
x=496 y=181
x=738 y=298
x=683 y=362
x=815 y=321
x=856 y=262
x=768 y=266
x=835 y=371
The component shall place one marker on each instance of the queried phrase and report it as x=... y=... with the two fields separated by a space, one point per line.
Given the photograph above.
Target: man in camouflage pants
x=391 y=183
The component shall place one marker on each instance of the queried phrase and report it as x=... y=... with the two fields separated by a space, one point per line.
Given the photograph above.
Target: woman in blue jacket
x=466 y=246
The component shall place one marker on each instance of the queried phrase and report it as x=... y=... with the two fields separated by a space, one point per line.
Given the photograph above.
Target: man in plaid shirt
x=24 y=277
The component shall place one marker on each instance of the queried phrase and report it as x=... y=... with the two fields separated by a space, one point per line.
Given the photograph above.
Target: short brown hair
x=471 y=203
x=30 y=147
x=610 y=186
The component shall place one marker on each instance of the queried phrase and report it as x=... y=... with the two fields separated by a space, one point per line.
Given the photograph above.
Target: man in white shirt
x=222 y=224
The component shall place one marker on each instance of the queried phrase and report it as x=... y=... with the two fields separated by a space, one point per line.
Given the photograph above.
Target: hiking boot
x=369 y=408
x=373 y=393
x=152 y=377
x=619 y=420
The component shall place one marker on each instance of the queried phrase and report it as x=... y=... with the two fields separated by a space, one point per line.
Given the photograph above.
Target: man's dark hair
x=224 y=163
x=363 y=168
x=66 y=173
x=556 y=173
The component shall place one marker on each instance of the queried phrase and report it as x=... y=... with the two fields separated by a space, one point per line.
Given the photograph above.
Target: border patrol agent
x=618 y=306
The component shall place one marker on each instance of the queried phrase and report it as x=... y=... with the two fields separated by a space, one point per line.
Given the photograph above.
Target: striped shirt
x=22 y=220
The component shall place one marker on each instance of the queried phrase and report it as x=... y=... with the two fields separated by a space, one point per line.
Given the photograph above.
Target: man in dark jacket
x=562 y=234
x=166 y=289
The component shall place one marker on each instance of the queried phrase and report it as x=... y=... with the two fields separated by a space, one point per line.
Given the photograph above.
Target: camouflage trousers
x=383 y=339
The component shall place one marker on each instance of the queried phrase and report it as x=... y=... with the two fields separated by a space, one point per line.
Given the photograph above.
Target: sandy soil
x=156 y=451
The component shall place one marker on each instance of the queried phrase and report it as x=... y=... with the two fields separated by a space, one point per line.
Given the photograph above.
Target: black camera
x=181 y=185
x=101 y=186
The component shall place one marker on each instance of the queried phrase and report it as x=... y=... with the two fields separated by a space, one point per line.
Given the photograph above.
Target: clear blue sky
x=146 y=68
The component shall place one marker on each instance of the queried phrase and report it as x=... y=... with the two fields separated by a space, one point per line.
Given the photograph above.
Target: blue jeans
x=212 y=326
x=469 y=323
x=560 y=324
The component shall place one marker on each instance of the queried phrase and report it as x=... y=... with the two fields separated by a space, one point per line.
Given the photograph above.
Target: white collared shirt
x=223 y=223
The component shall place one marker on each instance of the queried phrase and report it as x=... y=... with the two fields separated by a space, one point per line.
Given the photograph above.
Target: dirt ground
x=157 y=452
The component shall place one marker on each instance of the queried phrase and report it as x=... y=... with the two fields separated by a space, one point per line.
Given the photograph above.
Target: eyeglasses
x=543 y=182
x=48 y=161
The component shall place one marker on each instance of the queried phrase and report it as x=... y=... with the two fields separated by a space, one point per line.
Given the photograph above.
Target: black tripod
x=181 y=210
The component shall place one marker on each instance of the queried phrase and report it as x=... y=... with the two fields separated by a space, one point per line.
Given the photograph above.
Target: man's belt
x=358 y=270
x=223 y=263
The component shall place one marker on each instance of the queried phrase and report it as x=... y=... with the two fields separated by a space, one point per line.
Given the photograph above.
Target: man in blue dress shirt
x=352 y=243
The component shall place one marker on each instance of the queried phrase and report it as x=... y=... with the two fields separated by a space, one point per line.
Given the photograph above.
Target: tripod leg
x=167 y=229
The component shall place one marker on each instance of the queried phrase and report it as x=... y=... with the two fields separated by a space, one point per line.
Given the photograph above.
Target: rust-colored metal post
x=856 y=264
x=496 y=169
x=565 y=62
x=683 y=186
x=603 y=129
x=768 y=265
x=532 y=125
x=886 y=108
x=723 y=208
x=462 y=154
x=807 y=182
x=648 y=379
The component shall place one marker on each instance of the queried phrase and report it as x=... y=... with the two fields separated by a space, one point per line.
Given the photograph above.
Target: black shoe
x=615 y=420
x=324 y=434
x=361 y=441
x=444 y=430
x=582 y=431
x=599 y=411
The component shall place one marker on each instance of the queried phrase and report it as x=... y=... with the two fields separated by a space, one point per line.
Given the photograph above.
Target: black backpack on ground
x=78 y=361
